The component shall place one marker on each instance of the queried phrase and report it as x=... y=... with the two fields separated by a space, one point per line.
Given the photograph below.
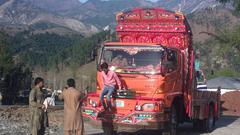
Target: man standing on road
x=73 y=121
x=36 y=99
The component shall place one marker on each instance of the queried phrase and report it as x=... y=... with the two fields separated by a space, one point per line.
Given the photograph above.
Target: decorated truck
x=154 y=59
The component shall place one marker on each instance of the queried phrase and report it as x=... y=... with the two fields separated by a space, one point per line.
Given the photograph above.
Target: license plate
x=119 y=103
x=88 y=111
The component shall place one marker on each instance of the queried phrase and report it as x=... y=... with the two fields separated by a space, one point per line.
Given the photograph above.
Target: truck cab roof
x=130 y=44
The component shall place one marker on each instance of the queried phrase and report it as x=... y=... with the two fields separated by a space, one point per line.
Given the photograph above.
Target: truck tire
x=109 y=131
x=210 y=121
x=172 y=128
x=206 y=125
x=197 y=124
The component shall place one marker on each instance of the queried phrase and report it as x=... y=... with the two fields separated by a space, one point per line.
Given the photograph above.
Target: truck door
x=172 y=67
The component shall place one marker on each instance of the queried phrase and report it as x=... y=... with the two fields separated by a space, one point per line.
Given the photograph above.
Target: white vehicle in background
x=201 y=81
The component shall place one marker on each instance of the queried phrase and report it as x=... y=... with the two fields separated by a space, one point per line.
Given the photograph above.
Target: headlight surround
x=138 y=108
x=150 y=107
x=93 y=103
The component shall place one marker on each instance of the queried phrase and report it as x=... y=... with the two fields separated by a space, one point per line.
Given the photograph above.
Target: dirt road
x=227 y=125
x=14 y=121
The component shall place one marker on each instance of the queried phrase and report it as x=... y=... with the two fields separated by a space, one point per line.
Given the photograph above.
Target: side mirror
x=167 y=67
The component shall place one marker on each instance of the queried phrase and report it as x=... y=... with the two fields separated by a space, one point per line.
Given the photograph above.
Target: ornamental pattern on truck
x=158 y=26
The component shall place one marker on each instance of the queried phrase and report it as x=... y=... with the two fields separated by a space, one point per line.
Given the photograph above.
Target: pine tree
x=236 y=4
x=5 y=55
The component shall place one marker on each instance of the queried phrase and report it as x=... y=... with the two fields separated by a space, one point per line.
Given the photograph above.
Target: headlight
x=93 y=103
x=148 y=107
x=157 y=106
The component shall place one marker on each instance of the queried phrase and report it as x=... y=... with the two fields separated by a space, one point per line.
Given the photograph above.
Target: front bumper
x=135 y=120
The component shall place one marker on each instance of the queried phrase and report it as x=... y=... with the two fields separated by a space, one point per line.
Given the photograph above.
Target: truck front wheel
x=109 y=131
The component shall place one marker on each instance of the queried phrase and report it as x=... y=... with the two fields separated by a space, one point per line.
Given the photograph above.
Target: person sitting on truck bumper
x=110 y=79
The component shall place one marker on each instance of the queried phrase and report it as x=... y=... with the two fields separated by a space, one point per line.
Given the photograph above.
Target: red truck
x=154 y=60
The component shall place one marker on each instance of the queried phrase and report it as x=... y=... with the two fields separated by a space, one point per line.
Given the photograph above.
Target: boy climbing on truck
x=110 y=80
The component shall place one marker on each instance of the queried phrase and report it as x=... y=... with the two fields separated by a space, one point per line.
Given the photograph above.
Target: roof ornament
x=179 y=7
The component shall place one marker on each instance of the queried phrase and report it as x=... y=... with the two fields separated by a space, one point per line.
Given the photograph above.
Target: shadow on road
x=184 y=129
x=224 y=121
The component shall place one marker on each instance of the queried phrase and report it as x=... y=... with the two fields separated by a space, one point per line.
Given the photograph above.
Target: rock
x=14 y=121
x=230 y=103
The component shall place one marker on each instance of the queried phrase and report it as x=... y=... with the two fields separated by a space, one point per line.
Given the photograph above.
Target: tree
x=6 y=61
x=230 y=47
x=236 y=3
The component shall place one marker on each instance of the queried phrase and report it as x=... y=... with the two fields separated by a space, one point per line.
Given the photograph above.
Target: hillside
x=102 y=13
x=215 y=34
x=86 y=18
x=56 y=6
x=208 y=22
x=22 y=12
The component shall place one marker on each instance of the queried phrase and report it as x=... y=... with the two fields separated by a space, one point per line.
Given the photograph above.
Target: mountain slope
x=206 y=23
x=211 y=28
x=102 y=13
x=20 y=12
x=187 y=6
x=86 y=17
x=56 y=6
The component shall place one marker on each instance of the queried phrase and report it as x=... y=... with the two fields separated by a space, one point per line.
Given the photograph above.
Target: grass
x=224 y=72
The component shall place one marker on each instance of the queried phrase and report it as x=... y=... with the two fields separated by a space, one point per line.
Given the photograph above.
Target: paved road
x=227 y=125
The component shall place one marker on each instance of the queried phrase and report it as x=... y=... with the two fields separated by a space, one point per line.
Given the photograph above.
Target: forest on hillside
x=53 y=52
x=47 y=50
x=54 y=57
x=221 y=52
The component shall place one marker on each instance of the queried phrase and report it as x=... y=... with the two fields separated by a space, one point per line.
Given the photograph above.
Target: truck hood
x=141 y=85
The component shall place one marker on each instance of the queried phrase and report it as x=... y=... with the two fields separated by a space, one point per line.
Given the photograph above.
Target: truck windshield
x=132 y=59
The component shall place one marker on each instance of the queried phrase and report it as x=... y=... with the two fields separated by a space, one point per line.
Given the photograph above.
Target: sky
x=82 y=1
x=106 y=0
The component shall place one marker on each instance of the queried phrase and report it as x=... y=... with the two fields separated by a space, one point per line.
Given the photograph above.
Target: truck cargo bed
x=201 y=101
